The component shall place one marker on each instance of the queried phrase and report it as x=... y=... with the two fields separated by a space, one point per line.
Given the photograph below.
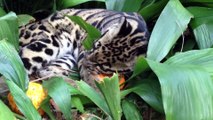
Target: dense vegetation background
x=173 y=82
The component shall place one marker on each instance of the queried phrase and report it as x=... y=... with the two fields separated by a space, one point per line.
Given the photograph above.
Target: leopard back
x=54 y=45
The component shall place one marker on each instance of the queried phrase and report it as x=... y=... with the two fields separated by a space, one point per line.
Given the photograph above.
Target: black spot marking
x=27 y=35
x=21 y=33
x=74 y=44
x=44 y=63
x=39 y=33
x=57 y=26
x=48 y=51
x=32 y=40
x=27 y=64
x=77 y=34
x=33 y=27
x=34 y=34
x=42 y=27
x=37 y=59
x=68 y=44
x=34 y=69
x=20 y=43
x=55 y=43
x=45 y=40
x=55 y=17
x=37 y=46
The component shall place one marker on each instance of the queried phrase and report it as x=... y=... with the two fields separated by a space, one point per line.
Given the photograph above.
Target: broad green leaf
x=167 y=31
x=9 y=29
x=74 y=91
x=46 y=107
x=24 y=19
x=201 y=1
x=139 y=67
x=148 y=90
x=186 y=90
x=76 y=101
x=71 y=3
x=123 y=5
x=203 y=58
x=131 y=111
x=5 y=112
x=12 y=67
x=23 y=102
x=153 y=9
x=109 y=87
x=58 y=90
x=204 y=35
x=93 y=95
x=2 y=12
x=202 y=25
x=201 y=15
x=92 y=32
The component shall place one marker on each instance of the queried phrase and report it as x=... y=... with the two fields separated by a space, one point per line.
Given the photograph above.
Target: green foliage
x=58 y=90
x=123 y=5
x=181 y=86
x=92 y=32
x=167 y=31
x=177 y=84
x=24 y=19
x=23 y=102
x=9 y=29
x=202 y=25
x=71 y=3
x=11 y=65
x=130 y=111
x=6 y=114
x=149 y=11
x=89 y=92
x=109 y=87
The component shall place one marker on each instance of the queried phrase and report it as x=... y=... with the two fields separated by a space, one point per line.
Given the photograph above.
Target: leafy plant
x=175 y=78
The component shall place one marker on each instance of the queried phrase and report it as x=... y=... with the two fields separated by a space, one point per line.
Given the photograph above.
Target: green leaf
x=58 y=90
x=93 y=95
x=167 y=31
x=203 y=58
x=76 y=101
x=24 y=19
x=202 y=15
x=2 y=12
x=46 y=107
x=131 y=111
x=202 y=26
x=201 y=1
x=186 y=90
x=149 y=91
x=109 y=87
x=123 y=5
x=204 y=35
x=153 y=9
x=12 y=67
x=5 y=112
x=71 y=3
x=23 y=102
x=92 y=32
x=9 y=29
x=139 y=67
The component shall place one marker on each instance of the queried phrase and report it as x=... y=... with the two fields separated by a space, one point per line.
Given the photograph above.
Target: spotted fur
x=53 y=46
